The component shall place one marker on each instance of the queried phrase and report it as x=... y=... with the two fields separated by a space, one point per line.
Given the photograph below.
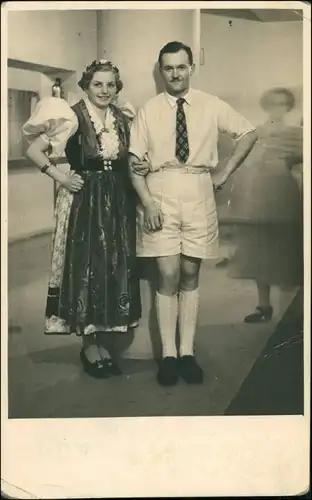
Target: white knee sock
x=167 y=314
x=188 y=311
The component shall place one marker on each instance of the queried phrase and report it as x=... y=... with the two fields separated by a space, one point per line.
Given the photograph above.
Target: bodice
x=83 y=149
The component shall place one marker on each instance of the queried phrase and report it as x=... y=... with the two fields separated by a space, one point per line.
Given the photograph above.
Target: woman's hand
x=73 y=182
x=140 y=167
x=153 y=217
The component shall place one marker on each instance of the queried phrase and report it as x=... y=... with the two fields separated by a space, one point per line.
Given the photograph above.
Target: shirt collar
x=173 y=100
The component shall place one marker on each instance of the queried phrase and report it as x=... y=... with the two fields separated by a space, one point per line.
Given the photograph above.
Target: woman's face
x=102 y=88
x=277 y=106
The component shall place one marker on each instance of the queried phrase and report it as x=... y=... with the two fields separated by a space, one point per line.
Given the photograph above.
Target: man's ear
x=192 y=69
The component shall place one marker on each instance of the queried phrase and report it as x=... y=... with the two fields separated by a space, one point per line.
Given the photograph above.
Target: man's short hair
x=173 y=48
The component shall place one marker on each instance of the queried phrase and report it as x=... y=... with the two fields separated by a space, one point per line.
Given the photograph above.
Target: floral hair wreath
x=101 y=62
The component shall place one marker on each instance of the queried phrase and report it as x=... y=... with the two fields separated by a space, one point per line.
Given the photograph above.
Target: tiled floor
x=45 y=376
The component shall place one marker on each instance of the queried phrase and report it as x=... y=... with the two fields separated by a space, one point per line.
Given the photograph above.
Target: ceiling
x=262 y=15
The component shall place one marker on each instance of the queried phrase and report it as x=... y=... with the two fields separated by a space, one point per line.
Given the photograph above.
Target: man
x=176 y=133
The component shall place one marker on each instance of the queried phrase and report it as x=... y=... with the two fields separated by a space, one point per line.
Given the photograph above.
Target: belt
x=185 y=169
x=96 y=165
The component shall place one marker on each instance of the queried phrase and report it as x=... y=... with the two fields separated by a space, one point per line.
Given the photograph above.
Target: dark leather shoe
x=190 y=371
x=97 y=369
x=168 y=371
x=261 y=315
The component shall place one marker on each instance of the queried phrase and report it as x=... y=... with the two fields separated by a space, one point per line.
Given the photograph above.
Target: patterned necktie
x=182 y=145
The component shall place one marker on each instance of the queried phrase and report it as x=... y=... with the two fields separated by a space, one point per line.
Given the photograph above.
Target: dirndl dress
x=93 y=285
x=266 y=207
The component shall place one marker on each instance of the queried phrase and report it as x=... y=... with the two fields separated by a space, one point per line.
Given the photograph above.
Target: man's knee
x=169 y=275
x=189 y=273
x=168 y=281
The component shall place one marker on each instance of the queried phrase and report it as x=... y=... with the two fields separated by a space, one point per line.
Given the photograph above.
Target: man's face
x=176 y=72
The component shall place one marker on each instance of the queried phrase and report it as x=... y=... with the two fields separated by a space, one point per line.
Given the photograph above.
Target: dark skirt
x=267 y=210
x=94 y=285
x=269 y=253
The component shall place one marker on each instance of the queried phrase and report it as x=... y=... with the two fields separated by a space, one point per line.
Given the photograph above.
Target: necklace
x=106 y=133
x=103 y=120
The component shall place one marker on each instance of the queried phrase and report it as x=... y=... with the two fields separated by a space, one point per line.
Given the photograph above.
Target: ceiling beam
x=260 y=15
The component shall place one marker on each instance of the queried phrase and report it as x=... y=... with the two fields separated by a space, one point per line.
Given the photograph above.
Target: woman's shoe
x=112 y=366
x=96 y=369
x=223 y=263
x=261 y=315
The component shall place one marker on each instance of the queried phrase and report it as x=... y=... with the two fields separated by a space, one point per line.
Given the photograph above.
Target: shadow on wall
x=157 y=78
x=225 y=149
x=147 y=272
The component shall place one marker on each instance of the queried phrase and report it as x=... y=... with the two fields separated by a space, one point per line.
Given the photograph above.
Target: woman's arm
x=37 y=153
x=152 y=213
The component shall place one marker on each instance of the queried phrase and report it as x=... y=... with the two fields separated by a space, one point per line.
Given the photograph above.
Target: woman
x=267 y=207
x=93 y=287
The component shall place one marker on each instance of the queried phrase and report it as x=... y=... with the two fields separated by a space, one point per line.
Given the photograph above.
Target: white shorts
x=190 y=224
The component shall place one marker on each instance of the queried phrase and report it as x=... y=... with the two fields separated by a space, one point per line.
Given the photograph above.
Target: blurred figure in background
x=267 y=207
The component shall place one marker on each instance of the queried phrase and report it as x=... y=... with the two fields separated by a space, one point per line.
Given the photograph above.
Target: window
x=21 y=104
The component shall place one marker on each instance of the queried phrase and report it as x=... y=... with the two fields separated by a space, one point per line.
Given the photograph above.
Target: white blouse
x=55 y=122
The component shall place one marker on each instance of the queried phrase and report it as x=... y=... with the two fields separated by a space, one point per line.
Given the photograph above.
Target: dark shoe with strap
x=190 y=371
x=261 y=315
x=112 y=366
x=96 y=369
x=223 y=263
x=168 y=371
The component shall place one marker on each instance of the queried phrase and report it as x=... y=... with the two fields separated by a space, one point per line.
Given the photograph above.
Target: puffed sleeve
x=126 y=107
x=54 y=121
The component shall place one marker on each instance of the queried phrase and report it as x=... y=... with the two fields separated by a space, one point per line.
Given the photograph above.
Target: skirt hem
x=95 y=329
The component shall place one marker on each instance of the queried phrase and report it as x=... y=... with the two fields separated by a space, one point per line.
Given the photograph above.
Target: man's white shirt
x=153 y=132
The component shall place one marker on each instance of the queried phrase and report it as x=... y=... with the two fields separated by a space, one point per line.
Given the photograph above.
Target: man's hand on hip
x=218 y=186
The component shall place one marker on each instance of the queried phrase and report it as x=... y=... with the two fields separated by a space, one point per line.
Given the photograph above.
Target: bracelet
x=45 y=167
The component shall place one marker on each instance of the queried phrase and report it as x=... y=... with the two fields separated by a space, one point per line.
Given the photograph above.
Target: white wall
x=248 y=58
x=132 y=40
x=61 y=39
x=21 y=79
x=30 y=204
x=64 y=39
x=241 y=62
